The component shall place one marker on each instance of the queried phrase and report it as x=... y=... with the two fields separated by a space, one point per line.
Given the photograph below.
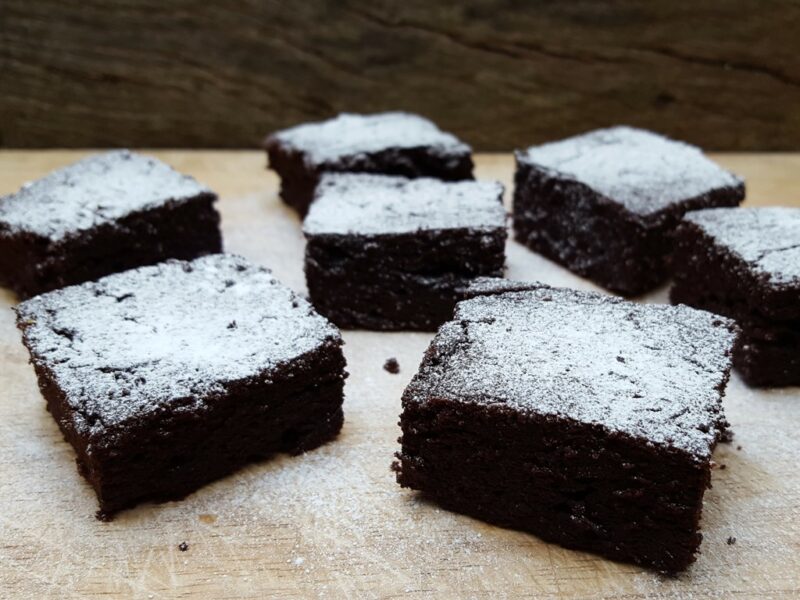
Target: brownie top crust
x=767 y=239
x=642 y=171
x=485 y=286
x=350 y=134
x=653 y=372
x=94 y=191
x=167 y=337
x=350 y=203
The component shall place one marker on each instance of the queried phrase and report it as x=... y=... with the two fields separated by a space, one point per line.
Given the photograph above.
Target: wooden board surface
x=333 y=523
x=191 y=73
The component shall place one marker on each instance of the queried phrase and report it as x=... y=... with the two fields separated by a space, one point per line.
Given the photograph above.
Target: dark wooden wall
x=506 y=73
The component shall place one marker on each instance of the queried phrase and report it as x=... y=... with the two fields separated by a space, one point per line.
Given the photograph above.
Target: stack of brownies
x=586 y=419
x=745 y=263
x=395 y=225
x=169 y=375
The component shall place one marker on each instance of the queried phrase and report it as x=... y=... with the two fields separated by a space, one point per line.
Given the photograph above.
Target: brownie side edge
x=299 y=179
x=569 y=483
x=570 y=223
x=19 y=253
x=180 y=230
x=396 y=282
x=709 y=276
x=294 y=408
x=699 y=258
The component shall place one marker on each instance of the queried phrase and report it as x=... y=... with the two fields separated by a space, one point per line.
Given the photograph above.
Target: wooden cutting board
x=333 y=523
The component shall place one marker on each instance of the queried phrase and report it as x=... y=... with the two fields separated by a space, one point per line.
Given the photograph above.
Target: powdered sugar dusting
x=351 y=134
x=96 y=190
x=650 y=371
x=643 y=171
x=483 y=286
x=125 y=345
x=767 y=238
x=378 y=204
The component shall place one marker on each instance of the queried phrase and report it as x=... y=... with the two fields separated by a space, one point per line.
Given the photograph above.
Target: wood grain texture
x=500 y=73
x=333 y=523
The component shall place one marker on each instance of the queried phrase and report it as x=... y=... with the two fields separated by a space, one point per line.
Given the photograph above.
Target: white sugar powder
x=351 y=134
x=643 y=171
x=97 y=190
x=377 y=204
x=650 y=371
x=767 y=239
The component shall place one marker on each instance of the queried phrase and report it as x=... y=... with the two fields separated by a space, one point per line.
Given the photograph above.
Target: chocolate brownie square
x=104 y=214
x=393 y=253
x=391 y=143
x=166 y=377
x=603 y=204
x=745 y=263
x=582 y=418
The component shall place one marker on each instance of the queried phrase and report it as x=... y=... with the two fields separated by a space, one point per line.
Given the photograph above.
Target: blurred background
x=499 y=73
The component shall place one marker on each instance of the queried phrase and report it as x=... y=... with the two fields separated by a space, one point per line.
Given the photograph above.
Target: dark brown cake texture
x=745 y=263
x=603 y=204
x=166 y=377
x=391 y=253
x=107 y=213
x=391 y=143
x=582 y=418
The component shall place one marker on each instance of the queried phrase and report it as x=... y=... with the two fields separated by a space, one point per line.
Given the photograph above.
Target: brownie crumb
x=722 y=467
x=738 y=447
x=183 y=546
x=731 y=541
x=392 y=366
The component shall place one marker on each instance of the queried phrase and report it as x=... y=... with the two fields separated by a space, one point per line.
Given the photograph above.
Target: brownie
x=166 y=377
x=603 y=204
x=391 y=253
x=391 y=143
x=582 y=418
x=107 y=213
x=745 y=263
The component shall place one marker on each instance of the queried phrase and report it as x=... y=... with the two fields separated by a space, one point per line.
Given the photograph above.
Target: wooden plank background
x=724 y=74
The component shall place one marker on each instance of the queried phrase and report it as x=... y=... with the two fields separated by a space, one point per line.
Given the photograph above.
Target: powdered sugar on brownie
x=650 y=371
x=351 y=203
x=352 y=134
x=178 y=331
x=483 y=286
x=95 y=191
x=767 y=238
x=643 y=171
